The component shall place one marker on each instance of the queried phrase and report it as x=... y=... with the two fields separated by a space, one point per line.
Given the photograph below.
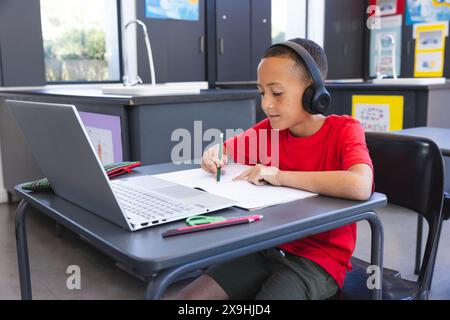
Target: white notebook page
x=248 y=195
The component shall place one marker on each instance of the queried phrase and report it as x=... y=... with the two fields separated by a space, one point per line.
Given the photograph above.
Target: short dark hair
x=316 y=51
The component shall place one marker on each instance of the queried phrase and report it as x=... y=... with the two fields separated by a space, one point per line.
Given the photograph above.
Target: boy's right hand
x=210 y=160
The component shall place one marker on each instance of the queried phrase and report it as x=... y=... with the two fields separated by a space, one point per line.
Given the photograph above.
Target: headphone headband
x=306 y=58
x=316 y=100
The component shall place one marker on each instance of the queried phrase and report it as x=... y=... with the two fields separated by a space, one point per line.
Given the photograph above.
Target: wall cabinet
x=22 y=52
x=178 y=47
x=243 y=34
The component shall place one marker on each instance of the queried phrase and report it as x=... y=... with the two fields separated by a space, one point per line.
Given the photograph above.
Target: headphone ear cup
x=321 y=101
x=307 y=99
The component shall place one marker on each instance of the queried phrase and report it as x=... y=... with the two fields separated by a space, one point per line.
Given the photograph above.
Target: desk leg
x=22 y=251
x=377 y=248
x=158 y=284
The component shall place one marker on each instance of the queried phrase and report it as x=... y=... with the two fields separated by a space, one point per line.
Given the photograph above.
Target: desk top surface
x=441 y=136
x=149 y=250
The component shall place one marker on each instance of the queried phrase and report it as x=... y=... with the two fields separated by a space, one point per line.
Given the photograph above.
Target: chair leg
x=434 y=255
x=58 y=230
x=10 y=197
x=419 y=244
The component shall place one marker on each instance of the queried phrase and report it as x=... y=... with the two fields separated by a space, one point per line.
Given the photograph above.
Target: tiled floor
x=50 y=256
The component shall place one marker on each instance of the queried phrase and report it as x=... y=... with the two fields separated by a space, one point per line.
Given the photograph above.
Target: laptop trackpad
x=178 y=192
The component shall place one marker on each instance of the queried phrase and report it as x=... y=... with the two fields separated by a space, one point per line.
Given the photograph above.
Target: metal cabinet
x=233 y=40
x=157 y=131
x=178 y=47
x=261 y=31
x=424 y=105
x=1 y=73
x=344 y=38
x=242 y=31
x=243 y=34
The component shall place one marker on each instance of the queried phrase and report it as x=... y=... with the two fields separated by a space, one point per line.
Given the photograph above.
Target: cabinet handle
x=202 y=44
x=221 y=46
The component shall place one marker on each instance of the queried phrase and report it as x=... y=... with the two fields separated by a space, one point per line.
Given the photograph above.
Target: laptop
x=64 y=152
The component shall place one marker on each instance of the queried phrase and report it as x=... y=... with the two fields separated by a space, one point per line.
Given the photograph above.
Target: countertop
x=86 y=93
x=225 y=91
x=356 y=84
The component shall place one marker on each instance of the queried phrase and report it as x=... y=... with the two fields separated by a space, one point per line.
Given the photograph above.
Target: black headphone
x=316 y=99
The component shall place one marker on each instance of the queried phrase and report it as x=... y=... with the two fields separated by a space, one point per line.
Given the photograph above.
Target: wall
x=3 y=194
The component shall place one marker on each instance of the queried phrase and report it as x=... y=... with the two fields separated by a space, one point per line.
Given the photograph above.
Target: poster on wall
x=420 y=11
x=172 y=9
x=105 y=134
x=389 y=7
x=386 y=47
x=430 y=49
x=378 y=113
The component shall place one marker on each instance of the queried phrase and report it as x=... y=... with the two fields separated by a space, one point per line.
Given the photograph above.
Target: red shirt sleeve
x=353 y=146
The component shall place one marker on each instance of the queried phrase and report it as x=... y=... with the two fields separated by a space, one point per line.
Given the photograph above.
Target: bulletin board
x=430 y=49
x=174 y=9
x=420 y=11
x=389 y=7
x=378 y=113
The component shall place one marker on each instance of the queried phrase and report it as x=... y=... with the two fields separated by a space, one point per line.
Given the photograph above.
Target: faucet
x=126 y=78
x=387 y=41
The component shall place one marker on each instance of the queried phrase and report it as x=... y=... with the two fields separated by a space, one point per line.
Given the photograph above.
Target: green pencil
x=220 y=158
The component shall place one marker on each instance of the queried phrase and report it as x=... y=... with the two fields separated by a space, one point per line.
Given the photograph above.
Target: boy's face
x=281 y=88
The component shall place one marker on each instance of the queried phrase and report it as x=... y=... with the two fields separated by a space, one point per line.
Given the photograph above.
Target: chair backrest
x=410 y=172
x=446 y=206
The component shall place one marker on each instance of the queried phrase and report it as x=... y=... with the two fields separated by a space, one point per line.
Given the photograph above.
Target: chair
x=410 y=171
x=445 y=216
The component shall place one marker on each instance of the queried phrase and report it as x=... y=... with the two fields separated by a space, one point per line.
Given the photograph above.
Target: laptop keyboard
x=149 y=205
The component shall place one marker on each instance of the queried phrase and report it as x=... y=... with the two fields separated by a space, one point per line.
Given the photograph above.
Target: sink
x=169 y=88
x=409 y=81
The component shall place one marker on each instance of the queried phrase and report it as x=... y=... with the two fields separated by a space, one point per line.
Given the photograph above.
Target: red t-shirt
x=338 y=145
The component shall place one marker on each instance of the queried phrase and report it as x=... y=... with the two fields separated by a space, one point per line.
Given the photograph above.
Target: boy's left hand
x=260 y=175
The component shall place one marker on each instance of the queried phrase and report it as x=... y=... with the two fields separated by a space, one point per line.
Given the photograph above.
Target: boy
x=325 y=155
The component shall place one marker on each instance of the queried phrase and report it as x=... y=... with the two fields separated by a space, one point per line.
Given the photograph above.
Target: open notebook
x=248 y=195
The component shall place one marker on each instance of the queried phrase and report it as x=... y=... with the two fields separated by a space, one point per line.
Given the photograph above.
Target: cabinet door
x=261 y=32
x=233 y=40
x=344 y=38
x=178 y=47
x=1 y=73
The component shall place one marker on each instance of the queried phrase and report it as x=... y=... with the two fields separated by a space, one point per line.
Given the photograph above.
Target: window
x=288 y=20
x=81 y=41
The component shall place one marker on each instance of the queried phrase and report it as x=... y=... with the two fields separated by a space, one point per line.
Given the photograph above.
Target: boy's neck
x=307 y=128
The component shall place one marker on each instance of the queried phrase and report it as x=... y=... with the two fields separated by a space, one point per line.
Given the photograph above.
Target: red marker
x=212 y=225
